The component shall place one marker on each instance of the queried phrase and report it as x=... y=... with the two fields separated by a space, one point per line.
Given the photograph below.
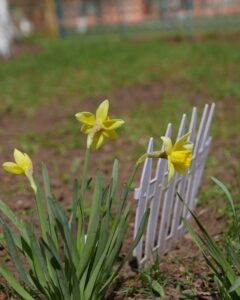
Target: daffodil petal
x=110 y=134
x=102 y=110
x=86 y=128
x=86 y=118
x=19 y=157
x=188 y=146
x=181 y=169
x=170 y=170
x=112 y=124
x=181 y=142
x=97 y=140
x=167 y=143
x=12 y=168
x=23 y=161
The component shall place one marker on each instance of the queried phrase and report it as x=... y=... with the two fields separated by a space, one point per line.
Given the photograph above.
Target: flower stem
x=84 y=175
x=40 y=207
x=80 y=208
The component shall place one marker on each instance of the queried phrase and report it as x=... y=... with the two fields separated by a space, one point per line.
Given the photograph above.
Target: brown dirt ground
x=180 y=262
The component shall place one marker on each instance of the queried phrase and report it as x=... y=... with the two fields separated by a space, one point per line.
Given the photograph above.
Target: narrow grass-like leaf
x=157 y=288
x=104 y=227
x=14 y=255
x=14 y=284
x=212 y=248
x=114 y=178
x=63 y=225
x=41 y=213
x=18 y=223
x=48 y=193
x=108 y=258
x=93 y=226
x=38 y=261
x=208 y=245
x=140 y=231
x=234 y=255
x=228 y=194
x=75 y=199
x=235 y=285
x=59 y=278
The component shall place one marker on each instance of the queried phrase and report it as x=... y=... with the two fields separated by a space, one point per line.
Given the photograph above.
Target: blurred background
x=67 y=17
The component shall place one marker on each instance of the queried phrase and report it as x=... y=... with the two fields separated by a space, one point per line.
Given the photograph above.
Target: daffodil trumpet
x=179 y=155
x=99 y=126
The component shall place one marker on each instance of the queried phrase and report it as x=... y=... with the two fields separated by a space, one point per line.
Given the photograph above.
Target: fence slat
x=177 y=215
x=177 y=225
x=175 y=201
x=156 y=202
x=196 y=157
x=168 y=201
x=142 y=201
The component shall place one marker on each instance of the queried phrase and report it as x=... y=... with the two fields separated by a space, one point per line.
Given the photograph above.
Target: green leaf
x=108 y=258
x=140 y=231
x=114 y=178
x=228 y=194
x=207 y=245
x=75 y=200
x=235 y=285
x=233 y=254
x=41 y=213
x=14 y=219
x=63 y=225
x=48 y=194
x=58 y=275
x=46 y=181
x=93 y=226
x=14 y=284
x=38 y=261
x=14 y=255
x=157 y=288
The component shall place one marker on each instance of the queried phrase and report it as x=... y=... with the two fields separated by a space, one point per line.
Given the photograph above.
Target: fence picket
x=142 y=194
x=178 y=208
x=176 y=180
x=156 y=202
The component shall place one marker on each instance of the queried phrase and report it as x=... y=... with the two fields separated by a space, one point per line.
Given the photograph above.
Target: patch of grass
x=149 y=281
x=77 y=68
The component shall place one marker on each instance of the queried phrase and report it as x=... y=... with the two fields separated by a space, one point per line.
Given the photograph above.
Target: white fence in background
x=165 y=226
x=6 y=29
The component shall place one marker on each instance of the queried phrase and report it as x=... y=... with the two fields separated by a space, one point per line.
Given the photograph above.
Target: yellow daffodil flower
x=22 y=165
x=179 y=155
x=98 y=126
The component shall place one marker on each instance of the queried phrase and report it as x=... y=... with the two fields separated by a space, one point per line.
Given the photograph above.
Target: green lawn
x=87 y=66
x=72 y=69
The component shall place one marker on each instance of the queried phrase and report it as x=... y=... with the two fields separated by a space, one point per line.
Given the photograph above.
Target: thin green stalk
x=84 y=175
x=80 y=208
x=39 y=206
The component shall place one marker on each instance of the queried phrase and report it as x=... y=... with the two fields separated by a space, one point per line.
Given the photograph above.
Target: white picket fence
x=165 y=226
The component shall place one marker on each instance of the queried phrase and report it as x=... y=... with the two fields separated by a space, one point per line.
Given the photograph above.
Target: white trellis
x=164 y=227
